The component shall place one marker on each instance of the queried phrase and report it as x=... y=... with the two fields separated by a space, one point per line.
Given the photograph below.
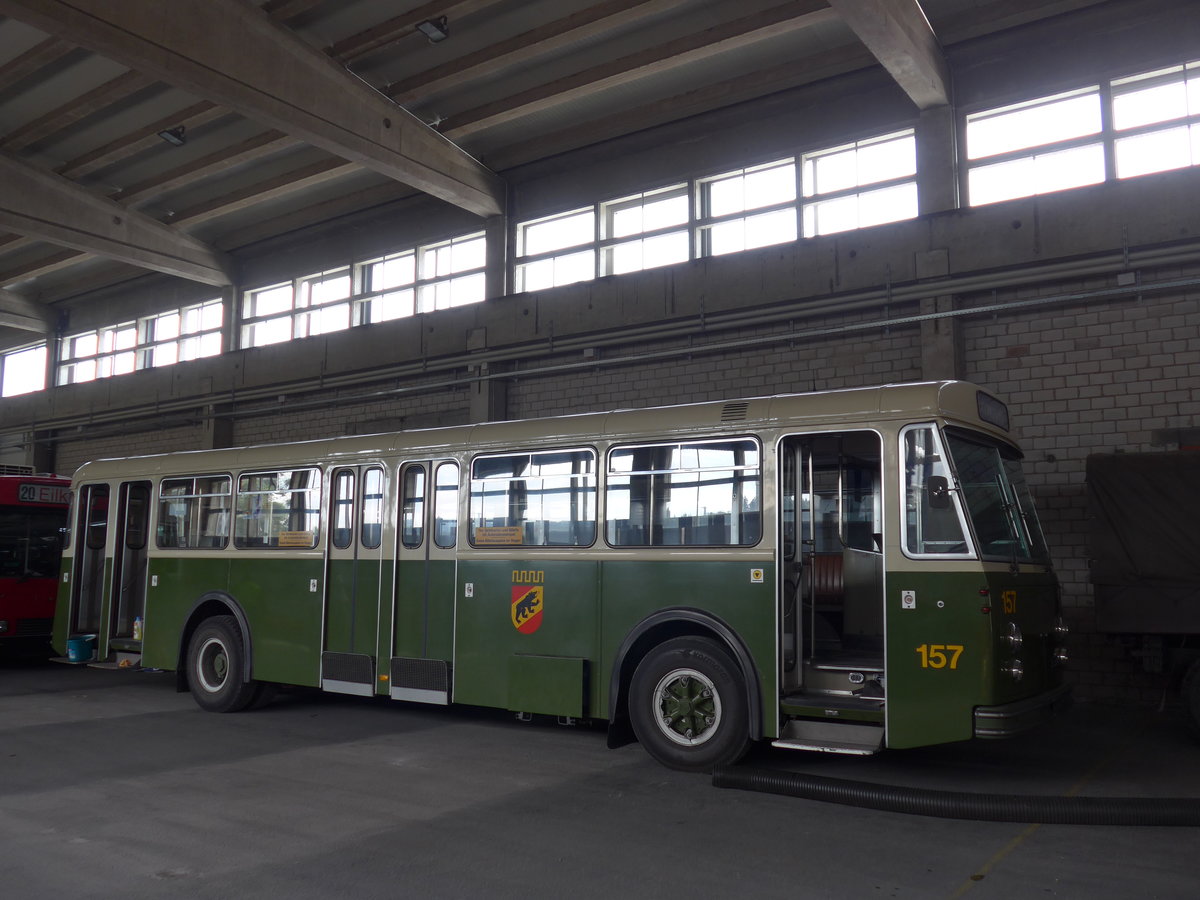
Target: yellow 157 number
x=939 y=656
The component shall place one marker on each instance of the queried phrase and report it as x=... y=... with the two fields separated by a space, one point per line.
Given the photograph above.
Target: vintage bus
x=836 y=571
x=33 y=513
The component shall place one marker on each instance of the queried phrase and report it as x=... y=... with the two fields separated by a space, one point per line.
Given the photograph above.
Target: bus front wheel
x=215 y=664
x=687 y=704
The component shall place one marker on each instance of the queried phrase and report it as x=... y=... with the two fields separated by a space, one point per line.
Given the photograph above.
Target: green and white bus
x=836 y=571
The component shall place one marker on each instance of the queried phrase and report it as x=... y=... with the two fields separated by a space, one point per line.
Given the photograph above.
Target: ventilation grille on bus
x=16 y=470
x=420 y=674
x=735 y=412
x=355 y=668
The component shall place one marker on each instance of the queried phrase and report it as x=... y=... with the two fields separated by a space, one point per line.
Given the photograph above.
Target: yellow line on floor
x=1016 y=842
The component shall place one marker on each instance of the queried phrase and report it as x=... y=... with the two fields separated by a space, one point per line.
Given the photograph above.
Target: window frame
x=681 y=442
x=533 y=453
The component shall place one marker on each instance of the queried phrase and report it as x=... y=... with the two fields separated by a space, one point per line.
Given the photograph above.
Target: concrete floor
x=115 y=786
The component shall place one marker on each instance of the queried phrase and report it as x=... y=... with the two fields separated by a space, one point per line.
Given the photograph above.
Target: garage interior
x=227 y=223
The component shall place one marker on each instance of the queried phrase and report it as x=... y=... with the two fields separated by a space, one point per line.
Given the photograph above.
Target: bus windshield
x=998 y=501
x=29 y=542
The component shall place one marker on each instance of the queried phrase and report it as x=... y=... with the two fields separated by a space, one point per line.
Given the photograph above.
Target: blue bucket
x=81 y=649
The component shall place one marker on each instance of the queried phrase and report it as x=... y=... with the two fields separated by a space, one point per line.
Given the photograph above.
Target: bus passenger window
x=412 y=512
x=278 y=510
x=445 y=506
x=700 y=493
x=343 y=509
x=372 y=509
x=535 y=499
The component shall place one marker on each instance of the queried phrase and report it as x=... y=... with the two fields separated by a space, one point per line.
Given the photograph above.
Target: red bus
x=33 y=510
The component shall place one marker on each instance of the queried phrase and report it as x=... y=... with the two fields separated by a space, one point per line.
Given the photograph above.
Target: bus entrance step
x=831 y=737
x=121 y=660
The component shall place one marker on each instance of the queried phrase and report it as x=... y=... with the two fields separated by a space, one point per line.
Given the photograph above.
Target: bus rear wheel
x=216 y=659
x=687 y=704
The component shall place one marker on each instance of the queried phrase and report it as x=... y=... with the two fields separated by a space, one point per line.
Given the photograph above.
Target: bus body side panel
x=353 y=616
x=176 y=583
x=940 y=659
x=62 y=607
x=424 y=619
x=728 y=590
x=283 y=600
x=525 y=636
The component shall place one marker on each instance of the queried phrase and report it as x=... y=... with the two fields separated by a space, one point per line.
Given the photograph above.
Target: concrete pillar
x=216 y=431
x=496 y=276
x=941 y=342
x=489 y=397
x=937 y=160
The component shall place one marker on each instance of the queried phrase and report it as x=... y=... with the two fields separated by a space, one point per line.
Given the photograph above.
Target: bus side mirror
x=939 y=492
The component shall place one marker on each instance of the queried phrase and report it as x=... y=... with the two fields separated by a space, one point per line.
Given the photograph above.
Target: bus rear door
x=426 y=559
x=356 y=580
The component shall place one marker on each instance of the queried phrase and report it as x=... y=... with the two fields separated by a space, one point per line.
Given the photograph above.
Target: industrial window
x=305 y=307
x=556 y=250
x=193 y=512
x=278 y=510
x=1036 y=147
x=747 y=208
x=23 y=370
x=868 y=182
x=451 y=273
x=101 y=353
x=180 y=335
x=645 y=230
x=694 y=493
x=534 y=499
x=1156 y=117
x=389 y=285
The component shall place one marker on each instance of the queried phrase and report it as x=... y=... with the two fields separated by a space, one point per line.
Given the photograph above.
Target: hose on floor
x=963 y=805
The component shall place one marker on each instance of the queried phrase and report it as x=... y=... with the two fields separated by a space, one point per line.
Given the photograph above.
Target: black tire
x=216 y=656
x=1191 y=696
x=687 y=704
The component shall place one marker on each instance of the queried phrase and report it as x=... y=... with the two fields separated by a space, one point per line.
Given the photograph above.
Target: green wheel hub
x=687 y=707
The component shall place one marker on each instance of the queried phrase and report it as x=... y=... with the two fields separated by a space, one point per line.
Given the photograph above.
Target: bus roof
x=958 y=401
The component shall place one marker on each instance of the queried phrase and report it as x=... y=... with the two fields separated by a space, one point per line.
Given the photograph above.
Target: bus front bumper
x=1013 y=718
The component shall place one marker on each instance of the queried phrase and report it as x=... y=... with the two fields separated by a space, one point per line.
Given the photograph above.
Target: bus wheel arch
x=663 y=628
x=212 y=605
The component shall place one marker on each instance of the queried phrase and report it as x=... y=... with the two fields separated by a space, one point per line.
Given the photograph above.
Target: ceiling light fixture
x=437 y=30
x=176 y=137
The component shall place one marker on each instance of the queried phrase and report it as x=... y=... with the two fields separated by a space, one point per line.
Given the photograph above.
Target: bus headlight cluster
x=1014 y=637
x=1014 y=670
x=1059 y=656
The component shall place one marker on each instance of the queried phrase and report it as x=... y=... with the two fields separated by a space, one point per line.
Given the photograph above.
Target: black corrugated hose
x=963 y=805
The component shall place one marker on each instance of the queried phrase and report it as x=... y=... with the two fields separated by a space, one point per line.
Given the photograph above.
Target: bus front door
x=129 y=567
x=357 y=579
x=91 y=530
x=422 y=644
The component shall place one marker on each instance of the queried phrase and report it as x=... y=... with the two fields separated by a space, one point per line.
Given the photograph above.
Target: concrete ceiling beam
x=682 y=51
x=233 y=54
x=22 y=313
x=524 y=48
x=901 y=38
x=47 y=206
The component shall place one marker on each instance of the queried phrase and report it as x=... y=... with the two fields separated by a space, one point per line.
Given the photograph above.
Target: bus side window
x=343 y=509
x=412 y=510
x=371 y=535
x=445 y=506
